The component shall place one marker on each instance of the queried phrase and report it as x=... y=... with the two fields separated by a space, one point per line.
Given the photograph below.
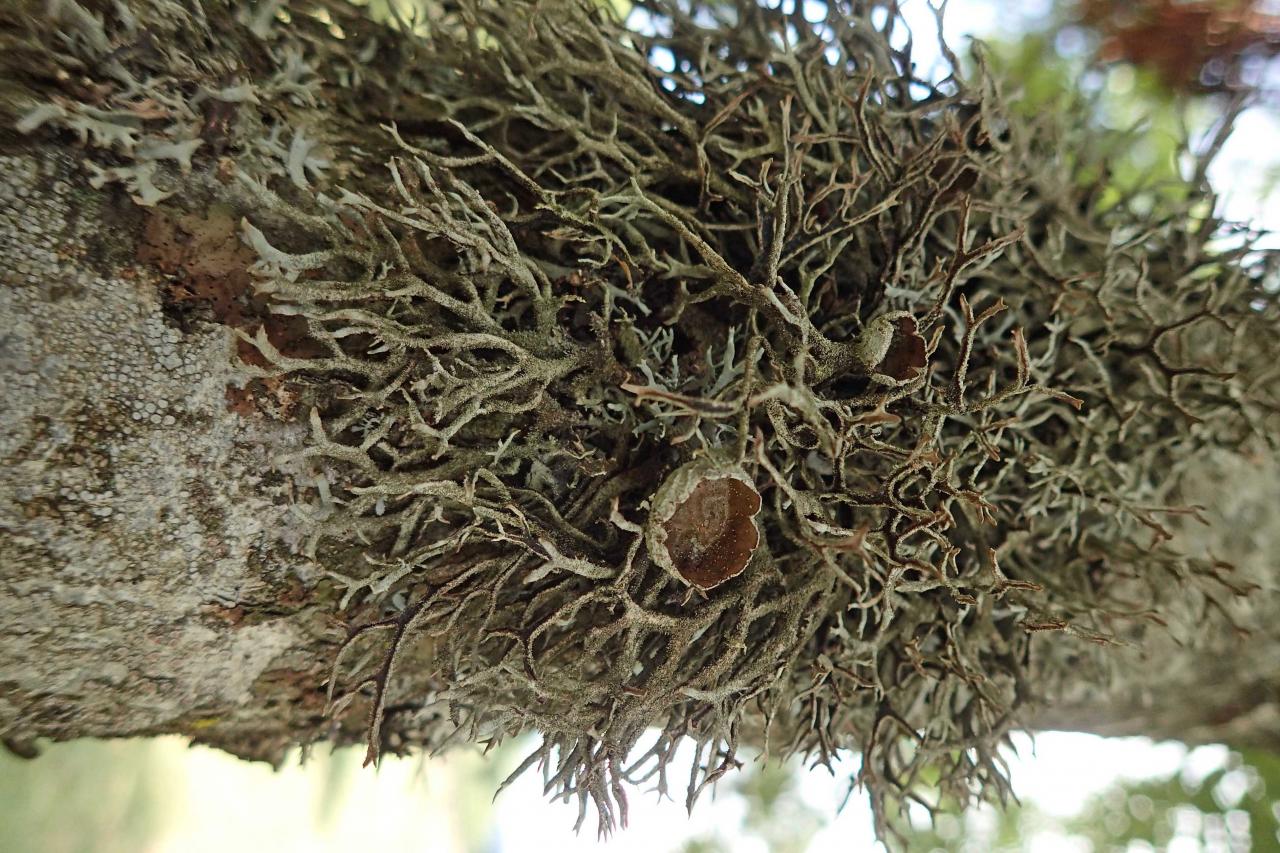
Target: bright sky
x=218 y=803
x=1059 y=774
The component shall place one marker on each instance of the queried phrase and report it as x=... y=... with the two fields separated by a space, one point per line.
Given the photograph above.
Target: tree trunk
x=156 y=560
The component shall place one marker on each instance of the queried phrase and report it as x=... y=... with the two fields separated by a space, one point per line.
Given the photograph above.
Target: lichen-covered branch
x=723 y=378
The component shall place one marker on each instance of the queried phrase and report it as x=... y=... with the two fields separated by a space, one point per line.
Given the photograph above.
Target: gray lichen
x=961 y=405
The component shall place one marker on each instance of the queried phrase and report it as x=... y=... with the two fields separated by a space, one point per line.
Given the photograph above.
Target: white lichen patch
x=132 y=503
x=251 y=651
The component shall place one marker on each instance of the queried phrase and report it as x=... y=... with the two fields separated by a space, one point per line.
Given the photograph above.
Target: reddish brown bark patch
x=206 y=266
x=205 y=260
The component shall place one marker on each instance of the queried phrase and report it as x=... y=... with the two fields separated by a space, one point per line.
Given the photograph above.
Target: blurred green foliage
x=129 y=796
x=1140 y=162
x=87 y=796
x=1234 y=806
x=775 y=813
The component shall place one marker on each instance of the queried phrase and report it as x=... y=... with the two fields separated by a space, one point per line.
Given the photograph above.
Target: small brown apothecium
x=703 y=523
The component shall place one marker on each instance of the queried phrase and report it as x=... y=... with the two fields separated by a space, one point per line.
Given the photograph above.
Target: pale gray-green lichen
x=551 y=302
x=964 y=411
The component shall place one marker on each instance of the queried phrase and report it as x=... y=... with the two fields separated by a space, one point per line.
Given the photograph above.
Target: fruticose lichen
x=579 y=259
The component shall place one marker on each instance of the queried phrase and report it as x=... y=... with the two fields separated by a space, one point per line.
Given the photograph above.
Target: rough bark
x=149 y=586
x=152 y=553
x=148 y=537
